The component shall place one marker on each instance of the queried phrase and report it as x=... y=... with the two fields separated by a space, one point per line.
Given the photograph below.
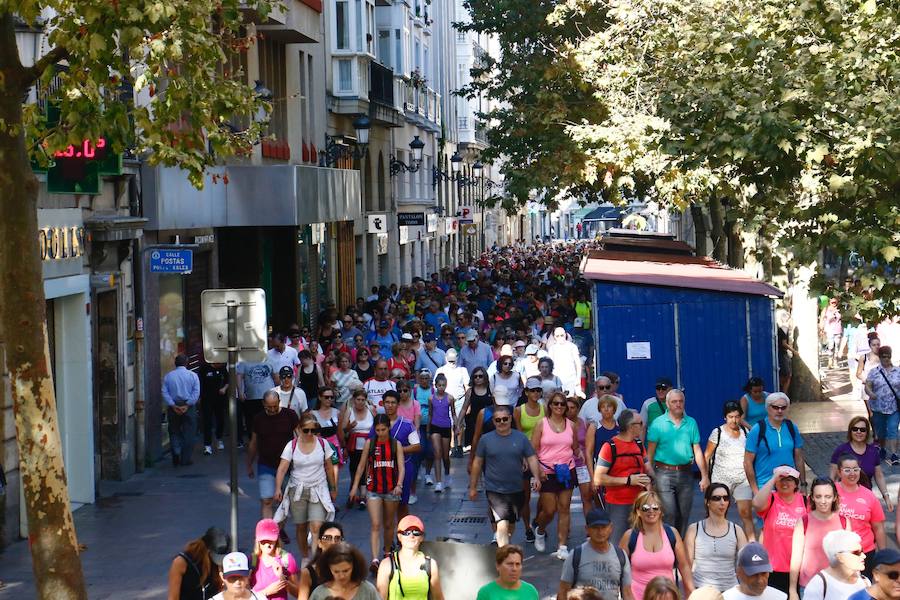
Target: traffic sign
x=172 y=260
x=250 y=326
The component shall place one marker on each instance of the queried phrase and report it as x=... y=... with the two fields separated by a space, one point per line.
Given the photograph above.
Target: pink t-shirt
x=863 y=509
x=410 y=412
x=778 y=530
x=264 y=576
x=647 y=565
x=814 y=559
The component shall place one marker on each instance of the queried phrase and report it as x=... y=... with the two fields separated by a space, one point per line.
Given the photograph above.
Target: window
x=304 y=101
x=357 y=11
x=342 y=17
x=345 y=83
x=384 y=48
x=416 y=57
x=273 y=74
x=398 y=52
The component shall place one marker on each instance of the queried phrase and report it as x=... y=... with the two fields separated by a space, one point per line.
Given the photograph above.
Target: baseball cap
x=888 y=556
x=235 y=563
x=411 y=522
x=217 y=541
x=383 y=324
x=533 y=383
x=407 y=337
x=754 y=559
x=471 y=336
x=451 y=355
x=285 y=372
x=506 y=350
x=267 y=530
x=578 y=322
x=597 y=517
x=429 y=337
x=664 y=381
x=531 y=349
x=519 y=344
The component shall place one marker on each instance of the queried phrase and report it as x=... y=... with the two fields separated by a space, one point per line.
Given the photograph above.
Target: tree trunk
x=717 y=233
x=764 y=239
x=735 y=245
x=699 y=230
x=54 y=549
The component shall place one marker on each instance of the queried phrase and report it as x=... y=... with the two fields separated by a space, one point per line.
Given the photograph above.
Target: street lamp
x=361 y=125
x=341 y=147
x=417 y=146
x=456 y=162
x=398 y=166
x=477 y=168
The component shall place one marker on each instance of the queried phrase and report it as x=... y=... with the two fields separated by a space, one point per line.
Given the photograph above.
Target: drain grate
x=191 y=476
x=468 y=520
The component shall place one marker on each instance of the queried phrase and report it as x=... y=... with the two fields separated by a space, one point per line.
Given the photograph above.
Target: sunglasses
x=650 y=508
x=309 y=429
x=328 y=396
x=331 y=538
x=778 y=407
x=892 y=575
x=412 y=532
x=662 y=387
x=479 y=376
x=604 y=387
x=859 y=429
x=557 y=404
x=718 y=498
x=501 y=419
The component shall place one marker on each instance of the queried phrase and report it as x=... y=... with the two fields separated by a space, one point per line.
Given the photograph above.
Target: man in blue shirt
x=779 y=443
x=181 y=391
x=385 y=338
x=435 y=316
x=430 y=356
x=474 y=353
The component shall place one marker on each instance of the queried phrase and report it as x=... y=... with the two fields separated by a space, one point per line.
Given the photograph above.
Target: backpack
x=395 y=564
x=576 y=561
x=761 y=437
x=670 y=535
x=614 y=454
x=712 y=459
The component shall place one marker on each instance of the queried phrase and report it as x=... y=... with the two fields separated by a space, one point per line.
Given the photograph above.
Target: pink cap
x=267 y=530
x=411 y=522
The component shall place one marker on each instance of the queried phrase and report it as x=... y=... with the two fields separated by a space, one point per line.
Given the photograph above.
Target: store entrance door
x=107 y=376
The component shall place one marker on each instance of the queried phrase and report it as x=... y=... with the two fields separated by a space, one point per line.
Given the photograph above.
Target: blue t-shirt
x=423 y=395
x=777 y=448
x=861 y=595
x=437 y=319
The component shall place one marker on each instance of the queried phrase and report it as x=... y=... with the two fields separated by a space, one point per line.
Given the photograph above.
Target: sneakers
x=562 y=553
x=540 y=541
x=221 y=445
x=207 y=450
x=429 y=480
x=529 y=535
x=457 y=452
x=439 y=487
x=895 y=460
x=413 y=499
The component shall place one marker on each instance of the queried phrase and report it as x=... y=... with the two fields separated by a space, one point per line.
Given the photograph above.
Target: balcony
x=292 y=22
x=422 y=106
x=382 y=95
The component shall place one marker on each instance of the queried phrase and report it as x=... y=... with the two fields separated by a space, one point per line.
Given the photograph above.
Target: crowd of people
x=495 y=359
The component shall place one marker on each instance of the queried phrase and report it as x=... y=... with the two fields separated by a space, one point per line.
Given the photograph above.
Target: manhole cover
x=468 y=519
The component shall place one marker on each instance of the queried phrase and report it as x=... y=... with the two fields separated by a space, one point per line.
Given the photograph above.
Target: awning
x=603 y=213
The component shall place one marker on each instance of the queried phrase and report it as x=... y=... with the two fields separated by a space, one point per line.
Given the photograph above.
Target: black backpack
x=761 y=437
x=576 y=562
x=395 y=565
x=614 y=453
x=670 y=535
x=712 y=459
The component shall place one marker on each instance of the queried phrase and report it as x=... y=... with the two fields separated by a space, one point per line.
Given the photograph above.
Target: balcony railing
x=381 y=82
x=480 y=133
x=421 y=101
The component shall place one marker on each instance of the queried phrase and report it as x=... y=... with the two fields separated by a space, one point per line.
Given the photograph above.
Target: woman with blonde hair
x=654 y=549
x=661 y=588
x=273 y=570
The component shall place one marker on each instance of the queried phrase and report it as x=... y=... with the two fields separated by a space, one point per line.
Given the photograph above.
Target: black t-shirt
x=273 y=432
x=212 y=380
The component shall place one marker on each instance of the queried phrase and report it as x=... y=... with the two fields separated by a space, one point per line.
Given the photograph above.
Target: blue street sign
x=171 y=261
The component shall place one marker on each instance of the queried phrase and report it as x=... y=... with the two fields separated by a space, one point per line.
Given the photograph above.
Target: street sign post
x=234 y=328
x=171 y=260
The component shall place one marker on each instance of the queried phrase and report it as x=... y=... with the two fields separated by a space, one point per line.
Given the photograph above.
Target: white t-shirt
x=307 y=468
x=457 y=379
x=770 y=593
x=375 y=390
x=254 y=596
x=295 y=399
x=288 y=358
x=590 y=410
x=837 y=590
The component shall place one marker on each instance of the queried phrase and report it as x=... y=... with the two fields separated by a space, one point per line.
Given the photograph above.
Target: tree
x=174 y=53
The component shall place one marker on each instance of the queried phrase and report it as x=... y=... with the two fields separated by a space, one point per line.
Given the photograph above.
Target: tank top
x=191 y=587
x=382 y=468
x=479 y=401
x=646 y=565
x=814 y=558
x=408 y=584
x=601 y=436
x=422 y=396
x=309 y=383
x=360 y=433
x=714 y=558
x=366 y=374
x=556 y=448
x=441 y=410
x=527 y=421
x=507 y=390
x=756 y=412
x=328 y=427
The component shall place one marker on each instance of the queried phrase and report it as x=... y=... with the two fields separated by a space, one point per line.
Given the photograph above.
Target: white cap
x=506 y=350
x=451 y=355
x=531 y=349
x=235 y=563
x=407 y=337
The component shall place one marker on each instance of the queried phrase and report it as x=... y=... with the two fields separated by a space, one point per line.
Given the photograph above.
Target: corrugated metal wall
x=708 y=343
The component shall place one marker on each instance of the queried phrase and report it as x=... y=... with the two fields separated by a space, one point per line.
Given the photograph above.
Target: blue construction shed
x=705 y=326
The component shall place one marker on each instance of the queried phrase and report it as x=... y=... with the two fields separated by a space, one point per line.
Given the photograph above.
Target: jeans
x=676 y=490
x=212 y=409
x=182 y=433
x=618 y=514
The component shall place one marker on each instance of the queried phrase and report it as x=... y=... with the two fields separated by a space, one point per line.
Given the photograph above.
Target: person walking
x=328 y=419
x=500 y=454
x=567 y=364
x=379 y=384
x=273 y=570
x=213 y=401
x=289 y=395
x=753 y=573
x=655 y=406
x=383 y=465
x=781 y=507
x=312 y=489
x=363 y=365
x=807 y=555
x=555 y=442
x=253 y=381
x=713 y=543
x=597 y=563
x=508 y=585
x=621 y=471
x=181 y=392
x=773 y=442
x=725 y=457
x=860 y=506
x=883 y=389
x=526 y=417
x=193 y=574
x=603 y=431
x=271 y=430
x=330 y=533
x=409 y=572
x=753 y=402
x=868 y=361
x=442 y=414
x=673 y=441
x=478 y=397
x=343 y=573
x=357 y=420
x=843 y=576
x=832 y=330
x=654 y=548
x=858 y=444
x=475 y=353
x=235 y=577
x=506 y=383
x=457 y=386
x=345 y=380
x=406 y=433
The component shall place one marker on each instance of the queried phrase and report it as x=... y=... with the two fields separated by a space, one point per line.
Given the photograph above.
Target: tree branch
x=34 y=72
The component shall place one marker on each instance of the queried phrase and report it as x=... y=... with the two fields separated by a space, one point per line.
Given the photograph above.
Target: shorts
x=505 y=507
x=305 y=511
x=885 y=426
x=552 y=486
x=443 y=431
x=385 y=497
x=265 y=476
x=740 y=490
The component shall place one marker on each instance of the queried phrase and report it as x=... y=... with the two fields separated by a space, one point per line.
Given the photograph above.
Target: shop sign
x=61 y=243
x=209 y=238
x=61 y=238
x=432 y=223
x=377 y=223
x=411 y=219
x=404 y=235
x=470 y=229
x=381 y=243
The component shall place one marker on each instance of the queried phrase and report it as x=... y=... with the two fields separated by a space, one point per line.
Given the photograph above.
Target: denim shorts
x=385 y=497
x=885 y=426
x=265 y=475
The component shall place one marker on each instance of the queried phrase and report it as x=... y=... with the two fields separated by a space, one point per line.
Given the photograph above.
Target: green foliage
x=174 y=53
